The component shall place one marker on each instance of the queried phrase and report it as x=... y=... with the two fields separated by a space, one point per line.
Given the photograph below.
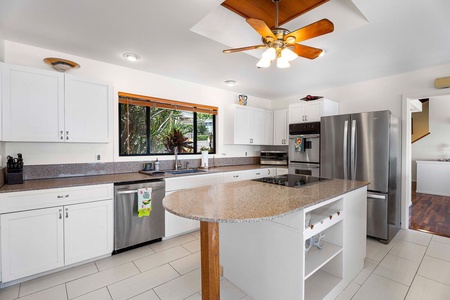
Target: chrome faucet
x=177 y=163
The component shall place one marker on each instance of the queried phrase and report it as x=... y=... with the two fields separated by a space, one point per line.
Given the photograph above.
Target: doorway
x=407 y=149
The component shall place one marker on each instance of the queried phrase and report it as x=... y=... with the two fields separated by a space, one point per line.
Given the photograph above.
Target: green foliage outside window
x=147 y=130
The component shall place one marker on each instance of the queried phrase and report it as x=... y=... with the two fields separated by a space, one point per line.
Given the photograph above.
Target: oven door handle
x=306 y=136
x=296 y=166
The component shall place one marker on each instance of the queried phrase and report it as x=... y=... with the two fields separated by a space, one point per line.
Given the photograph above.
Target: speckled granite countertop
x=39 y=184
x=247 y=201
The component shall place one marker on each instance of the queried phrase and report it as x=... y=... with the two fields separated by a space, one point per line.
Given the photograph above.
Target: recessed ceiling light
x=131 y=56
x=322 y=53
x=230 y=82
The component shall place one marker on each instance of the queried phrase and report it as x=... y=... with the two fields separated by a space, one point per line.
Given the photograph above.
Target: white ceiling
x=372 y=39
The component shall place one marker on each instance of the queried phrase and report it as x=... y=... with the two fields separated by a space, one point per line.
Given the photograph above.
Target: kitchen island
x=264 y=237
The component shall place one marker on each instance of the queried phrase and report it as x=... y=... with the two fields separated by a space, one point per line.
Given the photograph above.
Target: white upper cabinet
x=48 y=106
x=33 y=104
x=86 y=110
x=280 y=124
x=246 y=125
x=269 y=128
x=312 y=111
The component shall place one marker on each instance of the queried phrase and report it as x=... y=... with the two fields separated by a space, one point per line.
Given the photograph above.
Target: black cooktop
x=291 y=180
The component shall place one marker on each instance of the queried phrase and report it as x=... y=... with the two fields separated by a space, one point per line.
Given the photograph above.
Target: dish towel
x=144 y=202
x=300 y=145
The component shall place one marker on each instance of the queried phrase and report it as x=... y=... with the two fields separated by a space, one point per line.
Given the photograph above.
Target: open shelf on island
x=320 y=284
x=316 y=258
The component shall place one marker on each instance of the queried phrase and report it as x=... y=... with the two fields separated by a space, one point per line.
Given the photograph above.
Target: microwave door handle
x=353 y=151
x=345 y=150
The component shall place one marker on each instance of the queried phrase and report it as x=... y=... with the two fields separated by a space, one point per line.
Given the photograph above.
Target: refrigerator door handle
x=353 y=151
x=345 y=150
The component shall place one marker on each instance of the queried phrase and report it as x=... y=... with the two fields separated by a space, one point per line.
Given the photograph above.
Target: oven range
x=291 y=180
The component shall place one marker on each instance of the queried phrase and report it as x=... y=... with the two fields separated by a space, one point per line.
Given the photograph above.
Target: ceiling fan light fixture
x=270 y=54
x=61 y=65
x=282 y=63
x=263 y=63
x=288 y=54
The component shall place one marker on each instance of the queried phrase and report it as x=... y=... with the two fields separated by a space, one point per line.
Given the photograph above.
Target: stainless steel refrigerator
x=366 y=147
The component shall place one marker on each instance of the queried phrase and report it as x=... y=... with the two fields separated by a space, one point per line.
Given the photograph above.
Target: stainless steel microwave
x=279 y=158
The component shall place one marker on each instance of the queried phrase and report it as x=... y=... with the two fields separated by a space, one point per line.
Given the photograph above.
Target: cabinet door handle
x=60 y=214
x=61 y=135
x=67 y=134
x=269 y=172
x=67 y=212
x=235 y=176
x=63 y=196
x=258 y=173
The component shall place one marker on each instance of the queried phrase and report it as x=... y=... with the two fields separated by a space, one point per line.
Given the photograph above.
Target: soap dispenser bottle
x=156 y=165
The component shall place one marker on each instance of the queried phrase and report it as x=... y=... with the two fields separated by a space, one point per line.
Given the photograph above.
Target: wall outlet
x=98 y=157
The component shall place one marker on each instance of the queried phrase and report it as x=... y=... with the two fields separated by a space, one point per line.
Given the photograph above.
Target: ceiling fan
x=282 y=44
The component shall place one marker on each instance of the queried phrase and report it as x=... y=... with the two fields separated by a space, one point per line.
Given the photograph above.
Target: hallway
x=430 y=213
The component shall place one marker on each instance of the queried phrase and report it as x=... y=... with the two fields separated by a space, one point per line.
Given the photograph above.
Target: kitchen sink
x=189 y=171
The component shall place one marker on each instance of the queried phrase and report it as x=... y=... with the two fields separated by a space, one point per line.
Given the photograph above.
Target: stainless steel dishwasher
x=129 y=229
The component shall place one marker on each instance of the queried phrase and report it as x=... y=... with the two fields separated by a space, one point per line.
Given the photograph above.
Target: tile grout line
x=417 y=271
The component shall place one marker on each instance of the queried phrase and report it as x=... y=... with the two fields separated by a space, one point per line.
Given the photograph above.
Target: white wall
x=2 y=47
x=377 y=94
x=124 y=80
x=436 y=145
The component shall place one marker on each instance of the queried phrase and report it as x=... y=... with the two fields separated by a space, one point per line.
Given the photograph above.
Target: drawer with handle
x=19 y=201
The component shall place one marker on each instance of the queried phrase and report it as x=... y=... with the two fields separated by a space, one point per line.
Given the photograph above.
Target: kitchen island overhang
x=249 y=202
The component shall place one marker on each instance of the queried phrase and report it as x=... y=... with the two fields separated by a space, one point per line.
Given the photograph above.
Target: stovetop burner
x=291 y=180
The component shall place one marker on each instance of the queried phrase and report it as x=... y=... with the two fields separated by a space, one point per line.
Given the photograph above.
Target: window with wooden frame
x=154 y=126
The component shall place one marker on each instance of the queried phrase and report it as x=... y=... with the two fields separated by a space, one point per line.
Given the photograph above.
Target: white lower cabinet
x=176 y=225
x=42 y=239
x=234 y=176
x=259 y=173
x=32 y=242
x=88 y=230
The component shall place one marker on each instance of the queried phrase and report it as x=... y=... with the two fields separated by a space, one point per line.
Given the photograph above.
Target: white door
x=31 y=242
x=242 y=125
x=280 y=127
x=312 y=111
x=258 y=127
x=33 y=104
x=87 y=116
x=88 y=230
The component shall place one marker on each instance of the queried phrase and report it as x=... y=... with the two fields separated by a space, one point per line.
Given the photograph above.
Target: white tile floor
x=414 y=265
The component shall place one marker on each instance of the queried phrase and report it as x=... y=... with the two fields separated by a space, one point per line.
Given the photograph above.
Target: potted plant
x=176 y=139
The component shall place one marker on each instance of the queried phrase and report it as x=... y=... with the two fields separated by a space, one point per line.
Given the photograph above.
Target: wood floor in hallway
x=430 y=213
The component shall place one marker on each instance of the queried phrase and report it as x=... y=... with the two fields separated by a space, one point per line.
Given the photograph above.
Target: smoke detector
x=61 y=65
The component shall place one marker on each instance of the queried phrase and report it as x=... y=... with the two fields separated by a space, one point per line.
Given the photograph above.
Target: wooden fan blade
x=306 y=51
x=312 y=30
x=261 y=27
x=244 y=49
